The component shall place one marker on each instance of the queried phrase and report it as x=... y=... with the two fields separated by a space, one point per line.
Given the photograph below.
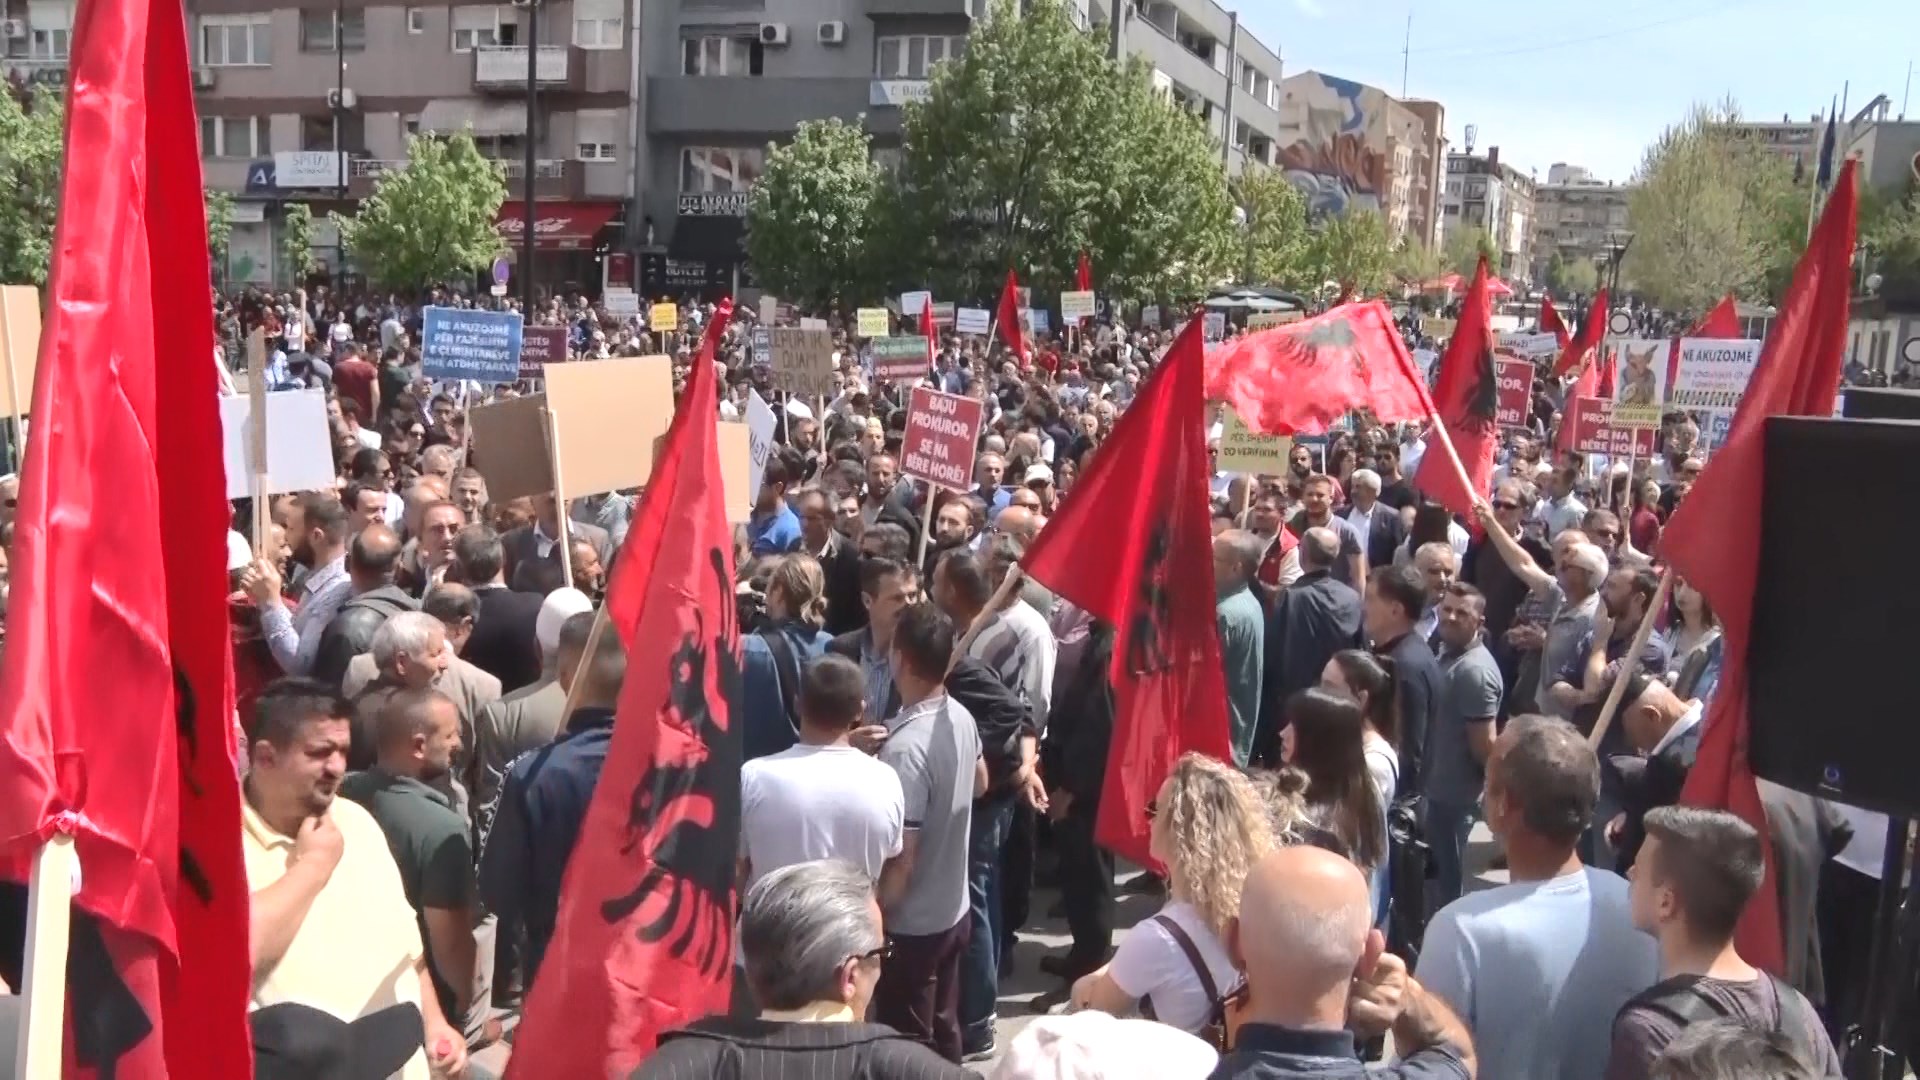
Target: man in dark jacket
x=1395 y=597
x=504 y=643
x=1313 y=618
x=1074 y=761
x=373 y=559
x=527 y=547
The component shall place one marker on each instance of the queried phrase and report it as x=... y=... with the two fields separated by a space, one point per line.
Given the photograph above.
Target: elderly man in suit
x=470 y=688
x=1380 y=526
x=529 y=546
x=502 y=643
x=1313 y=618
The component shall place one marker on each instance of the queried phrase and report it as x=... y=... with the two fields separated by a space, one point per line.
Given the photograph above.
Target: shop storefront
x=571 y=242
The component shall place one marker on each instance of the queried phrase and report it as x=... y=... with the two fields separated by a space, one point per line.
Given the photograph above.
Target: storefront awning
x=557 y=226
x=448 y=116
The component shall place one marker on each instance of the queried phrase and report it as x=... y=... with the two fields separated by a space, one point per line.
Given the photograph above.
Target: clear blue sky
x=1592 y=83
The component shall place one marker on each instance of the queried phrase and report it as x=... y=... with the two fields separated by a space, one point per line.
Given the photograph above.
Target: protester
x=772 y=657
x=504 y=641
x=1395 y=596
x=1461 y=738
x=1242 y=624
x=529 y=717
x=1326 y=740
x=1313 y=618
x=409 y=653
x=293 y=626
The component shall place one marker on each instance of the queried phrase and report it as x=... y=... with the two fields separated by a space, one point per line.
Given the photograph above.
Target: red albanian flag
x=1466 y=399
x=1593 y=330
x=1008 y=316
x=1551 y=323
x=1300 y=378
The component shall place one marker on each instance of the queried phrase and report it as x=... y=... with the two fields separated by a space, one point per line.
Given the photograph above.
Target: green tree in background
x=30 y=151
x=1415 y=263
x=809 y=220
x=219 y=225
x=1274 y=233
x=1713 y=214
x=1463 y=249
x=296 y=240
x=430 y=220
x=1890 y=235
x=1350 y=252
x=1567 y=277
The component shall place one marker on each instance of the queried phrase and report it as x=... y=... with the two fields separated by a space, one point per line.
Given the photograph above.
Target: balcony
x=31 y=71
x=553 y=178
x=502 y=69
x=881 y=8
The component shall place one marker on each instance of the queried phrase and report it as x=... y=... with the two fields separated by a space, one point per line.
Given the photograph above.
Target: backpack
x=1684 y=1003
x=786 y=673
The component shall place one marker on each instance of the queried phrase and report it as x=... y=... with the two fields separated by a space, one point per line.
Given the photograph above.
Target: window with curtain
x=236 y=137
x=720 y=54
x=236 y=40
x=316 y=30
x=50 y=29
x=596 y=132
x=597 y=24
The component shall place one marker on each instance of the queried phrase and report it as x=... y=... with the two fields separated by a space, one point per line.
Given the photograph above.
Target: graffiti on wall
x=1338 y=156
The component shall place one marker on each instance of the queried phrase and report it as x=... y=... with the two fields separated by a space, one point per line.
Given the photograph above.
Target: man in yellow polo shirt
x=331 y=928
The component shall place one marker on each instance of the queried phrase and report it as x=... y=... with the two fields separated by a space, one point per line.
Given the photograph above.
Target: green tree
x=1415 y=263
x=296 y=240
x=809 y=220
x=1350 y=252
x=1274 y=232
x=432 y=219
x=1463 y=249
x=1033 y=147
x=1712 y=214
x=1890 y=236
x=1569 y=276
x=30 y=151
x=219 y=224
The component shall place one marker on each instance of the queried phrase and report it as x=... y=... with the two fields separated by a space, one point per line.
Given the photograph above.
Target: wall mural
x=1338 y=157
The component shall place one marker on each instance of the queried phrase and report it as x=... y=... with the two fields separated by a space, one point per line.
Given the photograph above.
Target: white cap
x=1036 y=472
x=798 y=409
x=238 y=554
x=1094 y=1045
x=559 y=606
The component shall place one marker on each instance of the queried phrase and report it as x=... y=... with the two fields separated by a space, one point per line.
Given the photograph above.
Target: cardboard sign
x=1244 y=450
x=1215 y=326
x=802 y=361
x=299 y=443
x=938 y=444
x=1267 y=320
x=620 y=302
x=457 y=343
x=607 y=414
x=972 y=320
x=1531 y=346
x=943 y=314
x=1515 y=401
x=912 y=302
x=761 y=422
x=1595 y=431
x=1712 y=373
x=1076 y=305
x=872 y=322
x=1437 y=328
x=1150 y=316
x=769 y=308
x=510 y=445
x=540 y=346
x=1639 y=379
x=663 y=317
x=900 y=358
x=19 y=346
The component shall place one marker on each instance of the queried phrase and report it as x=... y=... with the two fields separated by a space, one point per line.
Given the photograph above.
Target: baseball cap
x=1037 y=473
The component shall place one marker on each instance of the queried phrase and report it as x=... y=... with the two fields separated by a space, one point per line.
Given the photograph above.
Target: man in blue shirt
x=774 y=528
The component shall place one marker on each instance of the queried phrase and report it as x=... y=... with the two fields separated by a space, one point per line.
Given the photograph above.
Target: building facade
x=1424 y=207
x=1796 y=141
x=1578 y=218
x=1484 y=192
x=1349 y=146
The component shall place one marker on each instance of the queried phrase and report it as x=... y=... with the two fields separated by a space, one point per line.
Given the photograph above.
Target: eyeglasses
x=1503 y=504
x=882 y=954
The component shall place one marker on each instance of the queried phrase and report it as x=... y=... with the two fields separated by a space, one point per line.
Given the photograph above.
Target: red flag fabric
x=1714 y=538
x=1722 y=322
x=1551 y=323
x=117 y=691
x=1136 y=525
x=1083 y=274
x=1300 y=378
x=1008 y=316
x=643 y=941
x=1593 y=329
x=1466 y=398
x=1603 y=385
x=932 y=334
x=1587 y=385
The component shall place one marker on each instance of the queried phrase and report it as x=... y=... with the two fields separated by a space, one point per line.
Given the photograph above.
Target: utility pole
x=533 y=134
x=339 y=92
x=1233 y=77
x=1406 y=53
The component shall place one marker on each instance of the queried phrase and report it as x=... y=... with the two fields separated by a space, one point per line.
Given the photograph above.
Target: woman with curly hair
x=1209 y=826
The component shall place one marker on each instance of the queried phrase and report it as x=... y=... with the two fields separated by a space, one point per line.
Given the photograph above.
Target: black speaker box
x=1834 y=660
x=1880 y=403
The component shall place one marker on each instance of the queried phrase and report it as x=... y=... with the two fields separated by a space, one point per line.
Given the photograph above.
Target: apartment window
x=410 y=123
x=595 y=133
x=914 y=56
x=597 y=24
x=416 y=20
x=708 y=168
x=236 y=40
x=51 y=29
x=475 y=28
x=317 y=30
x=720 y=54
x=239 y=137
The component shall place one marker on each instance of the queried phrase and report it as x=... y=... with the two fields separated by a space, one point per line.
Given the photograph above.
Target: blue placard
x=457 y=343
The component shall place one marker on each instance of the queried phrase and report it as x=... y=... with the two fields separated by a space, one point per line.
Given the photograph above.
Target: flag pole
x=926 y=527
x=257 y=440
x=565 y=539
x=586 y=657
x=1631 y=662
x=44 y=993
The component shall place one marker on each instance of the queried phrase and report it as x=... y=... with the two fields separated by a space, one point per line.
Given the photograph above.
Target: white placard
x=299 y=446
x=1713 y=373
x=971 y=320
x=1530 y=346
x=769 y=309
x=912 y=302
x=1076 y=305
x=813 y=324
x=621 y=302
x=760 y=424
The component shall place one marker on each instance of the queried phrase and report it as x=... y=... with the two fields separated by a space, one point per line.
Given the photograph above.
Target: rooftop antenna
x=1406 y=51
x=1909 y=90
x=1473 y=131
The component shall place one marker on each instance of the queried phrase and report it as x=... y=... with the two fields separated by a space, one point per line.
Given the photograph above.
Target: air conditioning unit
x=342 y=99
x=203 y=78
x=833 y=33
x=773 y=33
x=13 y=28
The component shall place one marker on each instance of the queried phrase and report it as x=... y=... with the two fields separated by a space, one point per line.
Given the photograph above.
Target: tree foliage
x=810 y=219
x=219 y=223
x=1033 y=147
x=296 y=240
x=30 y=151
x=1274 y=231
x=432 y=219
x=1713 y=214
x=1350 y=252
x=1464 y=247
x=1890 y=236
x=1572 y=276
x=1415 y=263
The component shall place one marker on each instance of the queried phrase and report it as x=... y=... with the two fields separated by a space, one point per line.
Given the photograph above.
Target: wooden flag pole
x=257 y=438
x=565 y=539
x=1631 y=662
x=1246 y=502
x=43 y=997
x=466 y=421
x=926 y=529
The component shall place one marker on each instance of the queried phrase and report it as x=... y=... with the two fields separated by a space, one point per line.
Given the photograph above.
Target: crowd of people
x=426 y=712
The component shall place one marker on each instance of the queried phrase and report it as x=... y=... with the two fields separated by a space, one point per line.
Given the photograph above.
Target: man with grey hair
x=1438 y=566
x=1242 y=624
x=1539 y=967
x=409 y=652
x=1313 y=618
x=811 y=935
x=1571 y=591
x=1380 y=526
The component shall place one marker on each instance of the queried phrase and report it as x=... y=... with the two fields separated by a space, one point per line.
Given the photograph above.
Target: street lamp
x=532 y=8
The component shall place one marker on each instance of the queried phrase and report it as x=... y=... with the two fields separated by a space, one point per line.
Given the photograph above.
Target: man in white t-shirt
x=821 y=798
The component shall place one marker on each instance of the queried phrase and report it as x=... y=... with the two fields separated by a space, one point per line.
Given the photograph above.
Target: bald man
x=1318 y=975
x=1024 y=523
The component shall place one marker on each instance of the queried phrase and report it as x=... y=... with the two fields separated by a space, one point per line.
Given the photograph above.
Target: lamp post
x=339 y=92
x=533 y=131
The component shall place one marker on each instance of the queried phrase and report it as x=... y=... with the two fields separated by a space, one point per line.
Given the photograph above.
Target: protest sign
x=943 y=314
x=769 y=309
x=812 y=324
x=299 y=443
x=1267 y=320
x=19 y=346
x=1424 y=359
x=912 y=302
x=621 y=302
x=1216 y=325
x=762 y=346
x=1244 y=450
x=540 y=346
x=1039 y=320
x=1437 y=328
x=761 y=422
x=942 y=432
x=899 y=358
x=1639 y=381
x=802 y=360
x=606 y=415
x=1531 y=346
x=1596 y=431
x=1076 y=305
x=1515 y=395
x=510 y=446
x=458 y=343
x=971 y=320
x=1150 y=316
x=662 y=318
x=1712 y=373
x=872 y=322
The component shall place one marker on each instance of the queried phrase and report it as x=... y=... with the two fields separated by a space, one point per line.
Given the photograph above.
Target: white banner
x=760 y=424
x=971 y=320
x=1530 y=346
x=1713 y=373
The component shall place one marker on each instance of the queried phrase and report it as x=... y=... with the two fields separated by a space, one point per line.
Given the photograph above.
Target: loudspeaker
x=1880 y=403
x=1831 y=664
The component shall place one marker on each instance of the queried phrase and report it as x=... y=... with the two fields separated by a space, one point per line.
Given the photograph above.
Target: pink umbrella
x=1496 y=287
x=1449 y=283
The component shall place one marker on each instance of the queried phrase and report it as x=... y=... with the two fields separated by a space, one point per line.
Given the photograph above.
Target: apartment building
x=1578 y=218
x=1349 y=146
x=1795 y=140
x=1484 y=192
x=1423 y=205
